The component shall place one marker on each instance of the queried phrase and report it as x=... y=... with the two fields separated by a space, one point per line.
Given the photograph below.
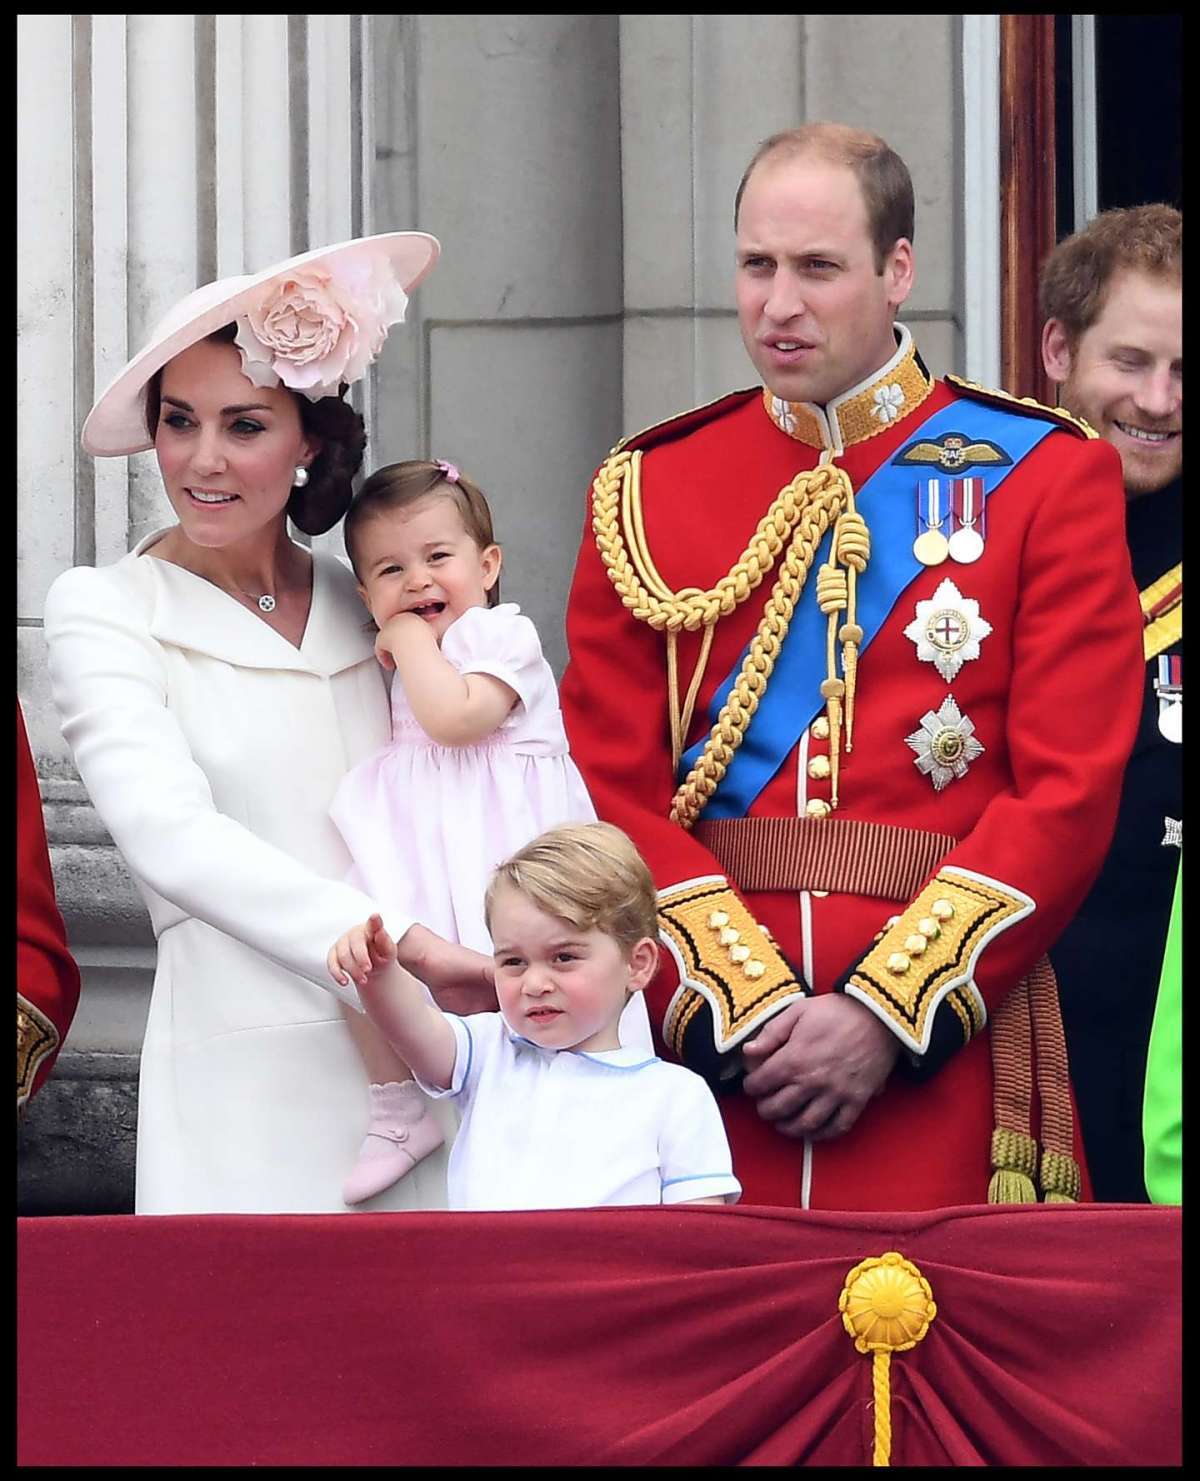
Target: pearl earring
x=300 y=478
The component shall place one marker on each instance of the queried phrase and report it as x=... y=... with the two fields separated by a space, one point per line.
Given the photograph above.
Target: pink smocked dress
x=426 y=824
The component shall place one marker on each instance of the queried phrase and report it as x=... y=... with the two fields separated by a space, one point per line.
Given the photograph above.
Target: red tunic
x=47 y=977
x=1054 y=698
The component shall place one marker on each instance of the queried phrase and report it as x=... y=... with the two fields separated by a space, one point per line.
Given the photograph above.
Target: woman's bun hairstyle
x=324 y=499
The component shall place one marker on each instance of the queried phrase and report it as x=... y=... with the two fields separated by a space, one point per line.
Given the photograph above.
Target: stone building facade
x=579 y=171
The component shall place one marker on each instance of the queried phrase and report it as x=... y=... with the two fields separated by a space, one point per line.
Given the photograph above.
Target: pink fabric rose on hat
x=318 y=327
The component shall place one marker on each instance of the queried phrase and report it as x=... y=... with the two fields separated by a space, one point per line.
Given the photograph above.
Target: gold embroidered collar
x=861 y=412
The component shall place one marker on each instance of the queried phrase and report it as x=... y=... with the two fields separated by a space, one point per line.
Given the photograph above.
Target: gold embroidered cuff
x=36 y=1037
x=929 y=954
x=726 y=959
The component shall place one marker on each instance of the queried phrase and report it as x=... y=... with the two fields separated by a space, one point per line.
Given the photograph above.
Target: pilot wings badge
x=953 y=453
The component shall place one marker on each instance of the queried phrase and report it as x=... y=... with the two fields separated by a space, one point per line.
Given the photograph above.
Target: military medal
x=948 y=630
x=1169 y=688
x=967 y=503
x=945 y=744
x=931 y=546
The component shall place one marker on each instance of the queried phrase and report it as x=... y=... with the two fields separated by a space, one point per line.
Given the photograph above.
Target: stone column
x=501 y=135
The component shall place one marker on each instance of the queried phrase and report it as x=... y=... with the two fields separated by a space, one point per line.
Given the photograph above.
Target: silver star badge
x=948 y=630
x=1173 y=837
x=945 y=744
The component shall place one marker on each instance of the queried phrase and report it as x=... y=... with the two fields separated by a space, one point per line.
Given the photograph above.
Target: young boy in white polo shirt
x=555 y=1114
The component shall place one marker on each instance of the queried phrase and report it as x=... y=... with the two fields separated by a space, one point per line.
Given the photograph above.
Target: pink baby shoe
x=400 y=1132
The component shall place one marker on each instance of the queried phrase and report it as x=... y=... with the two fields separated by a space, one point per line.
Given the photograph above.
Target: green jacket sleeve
x=1162 y=1116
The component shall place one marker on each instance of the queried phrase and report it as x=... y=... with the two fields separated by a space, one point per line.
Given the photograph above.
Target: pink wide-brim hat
x=116 y=424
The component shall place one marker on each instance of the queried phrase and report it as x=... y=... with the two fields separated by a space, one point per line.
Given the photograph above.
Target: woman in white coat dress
x=214 y=686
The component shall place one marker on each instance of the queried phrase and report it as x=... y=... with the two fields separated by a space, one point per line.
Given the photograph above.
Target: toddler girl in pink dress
x=477 y=765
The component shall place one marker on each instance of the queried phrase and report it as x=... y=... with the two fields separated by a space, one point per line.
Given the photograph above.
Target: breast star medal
x=967 y=503
x=948 y=630
x=945 y=744
x=931 y=546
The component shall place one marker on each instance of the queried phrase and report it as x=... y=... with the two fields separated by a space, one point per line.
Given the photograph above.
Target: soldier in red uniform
x=47 y=977
x=852 y=659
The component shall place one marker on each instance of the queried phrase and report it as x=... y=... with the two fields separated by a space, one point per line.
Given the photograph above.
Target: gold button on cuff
x=817 y=809
x=718 y=919
x=929 y=927
x=915 y=945
x=753 y=969
x=729 y=936
x=898 y=963
x=819 y=768
x=892 y=920
x=739 y=953
x=943 y=909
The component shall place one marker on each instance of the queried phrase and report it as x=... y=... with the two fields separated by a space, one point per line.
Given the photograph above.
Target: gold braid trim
x=1162 y=633
x=931 y=950
x=798 y=518
x=36 y=1038
x=1022 y=403
x=1167 y=628
x=725 y=959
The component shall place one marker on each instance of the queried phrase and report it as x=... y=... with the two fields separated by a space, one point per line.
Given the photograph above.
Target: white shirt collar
x=627 y=1057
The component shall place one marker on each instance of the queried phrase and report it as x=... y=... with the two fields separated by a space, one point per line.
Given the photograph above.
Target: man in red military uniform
x=47 y=977
x=851 y=661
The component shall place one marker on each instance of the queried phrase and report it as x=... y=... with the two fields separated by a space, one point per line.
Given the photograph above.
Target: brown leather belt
x=843 y=854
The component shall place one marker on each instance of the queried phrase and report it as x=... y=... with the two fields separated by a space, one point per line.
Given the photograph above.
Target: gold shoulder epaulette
x=1025 y=404
x=684 y=421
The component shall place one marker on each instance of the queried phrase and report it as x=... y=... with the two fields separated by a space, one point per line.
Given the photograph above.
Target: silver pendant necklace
x=264 y=603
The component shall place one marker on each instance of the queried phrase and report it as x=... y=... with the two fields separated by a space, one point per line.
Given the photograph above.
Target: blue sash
x=887 y=501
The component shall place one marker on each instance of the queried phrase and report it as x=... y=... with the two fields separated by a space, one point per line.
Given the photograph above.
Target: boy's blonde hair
x=589 y=874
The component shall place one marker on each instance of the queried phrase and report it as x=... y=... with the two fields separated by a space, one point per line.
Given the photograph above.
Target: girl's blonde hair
x=399 y=485
x=589 y=874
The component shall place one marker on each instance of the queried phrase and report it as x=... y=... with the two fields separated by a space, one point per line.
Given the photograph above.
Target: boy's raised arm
x=415 y=1028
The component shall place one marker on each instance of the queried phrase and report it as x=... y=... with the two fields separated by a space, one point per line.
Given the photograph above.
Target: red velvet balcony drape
x=699 y=1336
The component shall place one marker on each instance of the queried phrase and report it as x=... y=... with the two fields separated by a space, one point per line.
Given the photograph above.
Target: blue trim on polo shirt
x=583 y=1054
x=700 y=1177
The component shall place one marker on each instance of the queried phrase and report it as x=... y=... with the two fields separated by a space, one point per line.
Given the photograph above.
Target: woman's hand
x=361 y=952
x=462 y=981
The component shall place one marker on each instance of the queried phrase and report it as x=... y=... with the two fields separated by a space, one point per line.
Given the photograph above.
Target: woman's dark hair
x=333 y=422
x=399 y=485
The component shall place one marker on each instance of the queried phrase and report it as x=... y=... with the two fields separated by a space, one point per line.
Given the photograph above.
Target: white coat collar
x=190 y=612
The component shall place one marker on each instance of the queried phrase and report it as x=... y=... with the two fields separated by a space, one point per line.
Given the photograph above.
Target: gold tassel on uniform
x=831 y=600
x=1014 y=1151
x=852 y=543
x=1058 y=1173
